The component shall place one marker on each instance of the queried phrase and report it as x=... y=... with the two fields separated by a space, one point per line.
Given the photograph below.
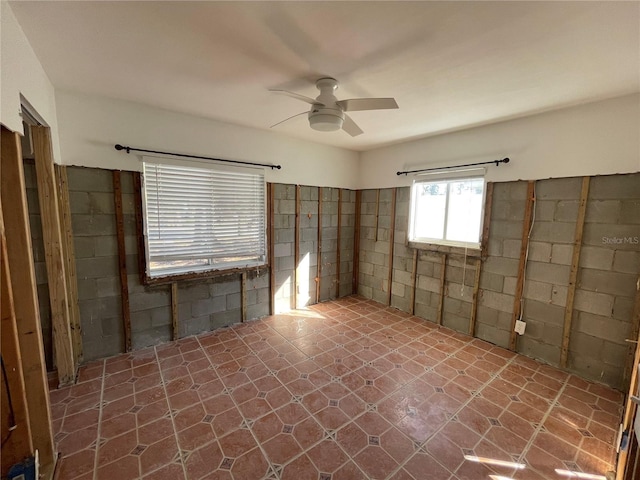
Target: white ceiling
x=450 y=65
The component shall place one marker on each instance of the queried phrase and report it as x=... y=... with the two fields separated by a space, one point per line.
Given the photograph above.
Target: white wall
x=90 y=126
x=599 y=138
x=22 y=73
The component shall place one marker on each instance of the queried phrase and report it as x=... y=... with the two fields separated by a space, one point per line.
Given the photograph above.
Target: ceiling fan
x=327 y=113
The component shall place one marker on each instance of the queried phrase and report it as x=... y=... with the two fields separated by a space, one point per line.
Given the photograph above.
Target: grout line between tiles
x=99 y=430
x=173 y=423
x=552 y=404
x=464 y=405
x=352 y=419
x=255 y=438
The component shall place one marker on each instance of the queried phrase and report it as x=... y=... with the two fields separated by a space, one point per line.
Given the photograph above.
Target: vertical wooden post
x=17 y=443
x=631 y=369
x=474 y=301
x=392 y=231
x=375 y=238
x=243 y=297
x=443 y=278
x=122 y=261
x=486 y=220
x=137 y=194
x=319 y=246
x=69 y=256
x=573 y=273
x=23 y=280
x=524 y=243
x=356 y=244
x=56 y=278
x=271 y=240
x=296 y=251
x=414 y=279
x=175 y=330
x=338 y=242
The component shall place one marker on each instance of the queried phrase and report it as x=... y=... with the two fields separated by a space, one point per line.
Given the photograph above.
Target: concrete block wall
x=94 y=230
x=284 y=219
x=304 y=271
x=609 y=269
x=606 y=286
x=308 y=248
x=203 y=304
x=347 y=237
x=499 y=272
x=374 y=244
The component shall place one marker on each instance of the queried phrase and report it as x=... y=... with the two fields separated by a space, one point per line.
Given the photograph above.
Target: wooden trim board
x=23 y=280
x=54 y=259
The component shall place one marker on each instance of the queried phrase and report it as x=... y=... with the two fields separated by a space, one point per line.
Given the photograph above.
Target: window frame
x=204 y=273
x=471 y=249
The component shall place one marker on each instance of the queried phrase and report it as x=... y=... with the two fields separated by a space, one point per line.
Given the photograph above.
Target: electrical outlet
x=520 y=327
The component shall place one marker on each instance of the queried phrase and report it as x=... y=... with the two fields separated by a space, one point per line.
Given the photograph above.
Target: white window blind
x=203 y=217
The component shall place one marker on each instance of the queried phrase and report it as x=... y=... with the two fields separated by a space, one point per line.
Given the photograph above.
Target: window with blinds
x=202 y=217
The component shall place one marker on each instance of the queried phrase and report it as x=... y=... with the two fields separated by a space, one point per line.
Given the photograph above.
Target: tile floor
x=345 y=390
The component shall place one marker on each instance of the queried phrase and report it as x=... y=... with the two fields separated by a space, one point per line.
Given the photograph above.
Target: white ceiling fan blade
x=350 y=126
x=288 y=118
x=358 y=104
x=311 y=101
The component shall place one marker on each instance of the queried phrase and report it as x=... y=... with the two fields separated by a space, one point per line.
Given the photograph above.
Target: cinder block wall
x=609 y=268
x=203 y=304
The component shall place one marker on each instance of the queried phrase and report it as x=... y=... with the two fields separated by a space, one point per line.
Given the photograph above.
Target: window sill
x=474 y=252
x=180 y=277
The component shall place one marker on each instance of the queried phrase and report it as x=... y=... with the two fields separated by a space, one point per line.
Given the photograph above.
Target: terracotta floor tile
x=349 y=389
x=281 y=448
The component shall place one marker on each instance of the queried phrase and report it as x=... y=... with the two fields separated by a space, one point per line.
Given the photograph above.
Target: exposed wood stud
x=175 y=329
x=56 y=278
x=631 y=370
x=243 y=297
x=18 y=445
x=319 y=246
x=296 y=251
x=122 y=261
x=631 y=367
x=392 y=230
x=356 y=243
x=573 y=273
x=69 y=257
x=137 y=205
x=414 y=281
x=474 y=301
x=338 y=242
x=375 y=234
x=271 y=243
x=524 y=243
x=21 y=267
x=486 y=220
x=443 y=278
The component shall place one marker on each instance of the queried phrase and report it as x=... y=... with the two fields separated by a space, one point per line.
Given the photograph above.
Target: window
x=202 y=217
x=447 y=212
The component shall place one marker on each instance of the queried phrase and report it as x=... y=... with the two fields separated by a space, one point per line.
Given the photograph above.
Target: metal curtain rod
x=131 y=149
x=497 y=162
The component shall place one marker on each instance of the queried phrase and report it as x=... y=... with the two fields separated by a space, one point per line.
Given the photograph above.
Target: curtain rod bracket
x=497 y=162
x=128 y=149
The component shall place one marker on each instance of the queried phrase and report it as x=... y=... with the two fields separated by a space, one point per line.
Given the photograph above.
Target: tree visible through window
x=447 y=212
x=201 y=217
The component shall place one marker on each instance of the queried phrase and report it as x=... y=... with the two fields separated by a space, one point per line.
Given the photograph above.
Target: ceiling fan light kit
x=327 y=113
x=326 y=119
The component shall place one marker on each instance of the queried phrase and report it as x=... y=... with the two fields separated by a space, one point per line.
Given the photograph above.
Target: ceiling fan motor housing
x=326 y=116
